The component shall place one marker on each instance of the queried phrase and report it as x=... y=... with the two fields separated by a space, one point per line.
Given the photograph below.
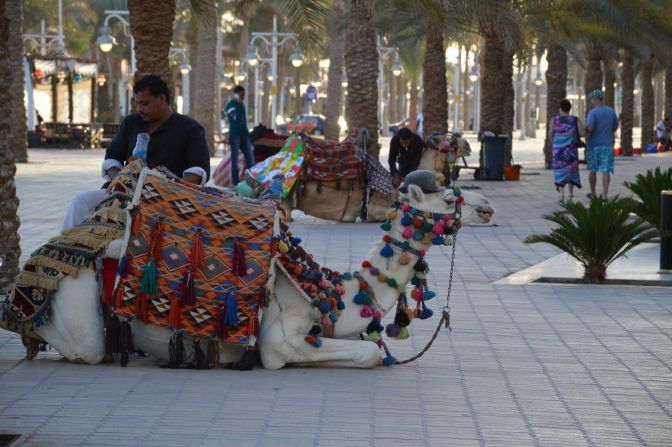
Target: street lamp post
x=105 y=41
x=185 y=69
x=272 y=40
x=384 y=52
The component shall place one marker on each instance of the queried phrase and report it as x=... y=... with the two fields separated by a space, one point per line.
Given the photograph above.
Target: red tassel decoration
x=196 y=256
x=253 y=327
x=118 y=296
x=156 y=241
x=135 y=215
x=142 y=308
x=188 y=290
x=239 y=265
x=175 y=313
x=222 y=331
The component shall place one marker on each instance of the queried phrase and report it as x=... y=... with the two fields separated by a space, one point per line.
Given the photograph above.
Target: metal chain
x=445 y=315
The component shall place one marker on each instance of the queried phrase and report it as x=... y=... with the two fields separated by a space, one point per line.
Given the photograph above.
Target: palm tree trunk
x=19 y=128
x=10 y=250
x=593 y=79
x=648 y=102
x=192 y=41
x=556 y=84
x=595 y=274
x=206 y=93
x=508 y=106
x=609 y=80
x=152 y=28
x=435 y=106
x=493 y=96
x=336 y=51
x=413 y=105
x=361 y=64
x=628 y=103
x=667 y=111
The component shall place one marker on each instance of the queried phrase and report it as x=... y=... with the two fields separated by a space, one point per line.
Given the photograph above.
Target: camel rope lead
x=445 y=314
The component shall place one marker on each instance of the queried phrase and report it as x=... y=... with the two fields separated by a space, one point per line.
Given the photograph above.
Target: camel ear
x=416 y=193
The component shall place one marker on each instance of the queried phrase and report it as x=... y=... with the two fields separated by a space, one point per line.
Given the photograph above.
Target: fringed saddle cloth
x=196 y=261
x=29 y=302
x=329 y=162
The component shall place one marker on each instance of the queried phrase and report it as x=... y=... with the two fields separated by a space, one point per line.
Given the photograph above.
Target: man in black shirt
x=176 y=142
x=406 y=150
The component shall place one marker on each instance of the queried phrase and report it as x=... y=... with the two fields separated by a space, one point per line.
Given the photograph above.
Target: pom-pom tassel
x=389 y=358
x=188 y=289
x=418 y=235
x=387 y=251
x=135 y=227
x=427 y=240
x=387 y=226
x=239 y=264
x=156 y=240
x=253 y=327
x=404 y=259
x=231 y=318
x=407 y=233
x=426 y=312
x=407 y=220
x=438 y=240
x=221 y=330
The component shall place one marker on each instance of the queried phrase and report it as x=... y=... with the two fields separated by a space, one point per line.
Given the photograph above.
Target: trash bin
x=493 y=157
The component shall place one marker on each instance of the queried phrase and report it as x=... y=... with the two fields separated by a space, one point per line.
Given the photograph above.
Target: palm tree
x=596 y=235
x=336 y=51
x=10 y=250
x=628 y=102
x=648 y=99
x=18 y=126
x=556 y=81
x=412 y=57
x=361 y=64
x=152 y=24
x=668 y=90
x=594 y=54
x=207 y=78
x=435 y=105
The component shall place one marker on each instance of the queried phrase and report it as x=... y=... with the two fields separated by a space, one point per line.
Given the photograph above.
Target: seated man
x=176 y=142
x=406 y=150
x=663 y=133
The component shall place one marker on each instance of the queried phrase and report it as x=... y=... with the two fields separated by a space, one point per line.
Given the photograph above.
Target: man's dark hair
x=405 y=133
x=238 y=89
x=154 y=84
x=565 y=105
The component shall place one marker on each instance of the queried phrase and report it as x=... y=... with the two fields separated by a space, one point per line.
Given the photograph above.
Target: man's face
x=241 y=96
x=595 y=102
x=150 y=108
x=405 y=141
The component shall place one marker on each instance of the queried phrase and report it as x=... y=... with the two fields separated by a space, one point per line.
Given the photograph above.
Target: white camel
x=75 y=328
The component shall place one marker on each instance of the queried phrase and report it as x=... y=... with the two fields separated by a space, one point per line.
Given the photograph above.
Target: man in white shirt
x=663 y=133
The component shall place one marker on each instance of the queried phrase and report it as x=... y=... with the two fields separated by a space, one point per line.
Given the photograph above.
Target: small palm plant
x=596 y=235
x=647 y=189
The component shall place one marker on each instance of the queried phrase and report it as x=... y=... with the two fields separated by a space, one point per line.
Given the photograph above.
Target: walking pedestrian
x=565 y=132
x=239 y=134
x=601 y=124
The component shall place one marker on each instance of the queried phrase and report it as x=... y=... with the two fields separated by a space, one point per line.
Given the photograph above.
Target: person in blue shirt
x=239 y=134
x=601 y=124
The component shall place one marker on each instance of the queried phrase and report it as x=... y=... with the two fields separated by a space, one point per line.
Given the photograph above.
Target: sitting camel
x=75 y=327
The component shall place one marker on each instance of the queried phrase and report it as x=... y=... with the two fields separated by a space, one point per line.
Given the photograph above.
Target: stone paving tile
x=540 y=365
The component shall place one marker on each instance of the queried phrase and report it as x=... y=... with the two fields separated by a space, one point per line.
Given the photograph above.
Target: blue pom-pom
x=428 y=295
x=340 y=305
x=318 y=341
x=407 y=220
x=418 y=235
x=335 y=280
x=457 y=192
x=438 y=240
x=333 y=317
x=426 y=312
x=358 y=299
x=387 y=251
x=122 y=266
x=295 y=240
x=325 y=307
x=347 y=276
x=389 y=360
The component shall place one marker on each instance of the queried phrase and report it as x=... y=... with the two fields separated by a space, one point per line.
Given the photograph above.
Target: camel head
x=445 y=142
x=476 y=209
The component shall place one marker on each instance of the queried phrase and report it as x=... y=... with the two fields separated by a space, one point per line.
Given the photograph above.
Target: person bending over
x=405 y=151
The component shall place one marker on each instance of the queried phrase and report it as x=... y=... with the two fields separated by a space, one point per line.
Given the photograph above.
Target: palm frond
x=647 y=188
x=307 y=19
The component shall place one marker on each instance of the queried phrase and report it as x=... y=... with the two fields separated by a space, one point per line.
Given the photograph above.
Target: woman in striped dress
x=564 y=132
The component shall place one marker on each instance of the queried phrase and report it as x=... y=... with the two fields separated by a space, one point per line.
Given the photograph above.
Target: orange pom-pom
x=362 y=285
x=386 y=238
x=310 y=339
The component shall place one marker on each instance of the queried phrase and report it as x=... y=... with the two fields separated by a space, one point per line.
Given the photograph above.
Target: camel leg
x=32 y=346
x=333 y=352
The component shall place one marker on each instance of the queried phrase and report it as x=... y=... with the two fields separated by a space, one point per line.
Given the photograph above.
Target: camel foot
x=32 y=346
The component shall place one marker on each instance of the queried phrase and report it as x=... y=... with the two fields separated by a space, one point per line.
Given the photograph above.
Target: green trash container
x=493 y=157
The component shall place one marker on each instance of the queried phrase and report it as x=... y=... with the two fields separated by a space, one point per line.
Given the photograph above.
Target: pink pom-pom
x=366 y=312
x=406 y=207
x=324 y=284
x=377 y=315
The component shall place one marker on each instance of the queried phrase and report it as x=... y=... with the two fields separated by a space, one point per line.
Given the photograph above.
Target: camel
x=75 y=328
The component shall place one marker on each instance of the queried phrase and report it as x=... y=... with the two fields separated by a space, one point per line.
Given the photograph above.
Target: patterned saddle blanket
x=332 y=161
x=195 y=260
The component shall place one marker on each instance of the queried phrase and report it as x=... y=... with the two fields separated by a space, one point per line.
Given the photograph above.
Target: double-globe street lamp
x=272 y=40
x=383 y=53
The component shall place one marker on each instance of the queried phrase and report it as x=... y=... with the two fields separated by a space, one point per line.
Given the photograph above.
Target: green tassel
x=148 y=281
x=387 y=226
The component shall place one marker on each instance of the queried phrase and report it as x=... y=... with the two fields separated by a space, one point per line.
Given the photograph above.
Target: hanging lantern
x=38 y=74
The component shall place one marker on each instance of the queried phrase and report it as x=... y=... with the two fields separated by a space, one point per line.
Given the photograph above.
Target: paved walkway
x=526 y=365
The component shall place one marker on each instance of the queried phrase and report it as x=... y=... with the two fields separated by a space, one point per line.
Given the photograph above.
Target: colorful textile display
x=328 y=162
x=287 y=162
x=29 y=302
x=377 y=177
x=221 y=176
x=195 y=260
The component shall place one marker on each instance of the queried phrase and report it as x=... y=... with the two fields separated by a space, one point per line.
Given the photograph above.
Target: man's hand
x=396 y=180
x=192 y=178
x=113 y=171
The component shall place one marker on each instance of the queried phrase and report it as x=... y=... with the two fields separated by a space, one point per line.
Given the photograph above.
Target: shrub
x=647 y=189
x=596 y=235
